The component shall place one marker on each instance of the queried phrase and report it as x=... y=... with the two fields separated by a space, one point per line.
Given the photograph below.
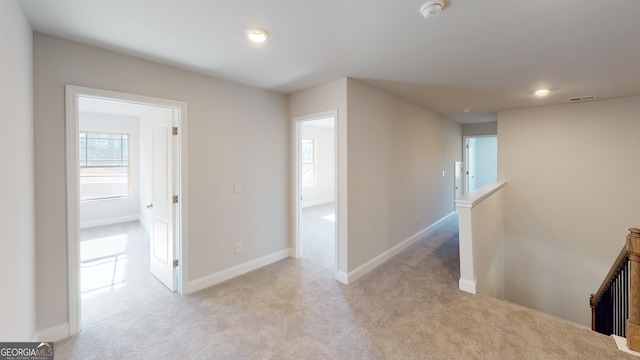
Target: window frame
x=86 y=160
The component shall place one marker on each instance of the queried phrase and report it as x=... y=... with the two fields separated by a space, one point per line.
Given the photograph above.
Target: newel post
x=633 y=323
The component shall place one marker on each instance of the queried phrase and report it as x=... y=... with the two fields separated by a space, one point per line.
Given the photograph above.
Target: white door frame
x=340 y=189
x=465 y=163
x=72 y=95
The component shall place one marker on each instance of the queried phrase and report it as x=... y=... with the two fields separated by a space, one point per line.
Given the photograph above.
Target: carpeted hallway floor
x=408 y=308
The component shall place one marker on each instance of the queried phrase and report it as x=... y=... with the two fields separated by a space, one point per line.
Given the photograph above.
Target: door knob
x=150 y=206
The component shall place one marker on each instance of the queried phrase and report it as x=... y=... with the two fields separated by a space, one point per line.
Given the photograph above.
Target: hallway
x=407 y=308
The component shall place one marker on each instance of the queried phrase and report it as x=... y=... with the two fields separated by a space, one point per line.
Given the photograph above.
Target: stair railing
x=615 y=307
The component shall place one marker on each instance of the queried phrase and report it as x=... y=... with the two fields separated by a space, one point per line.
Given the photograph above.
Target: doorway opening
x=480 y=161
x=124 y=180
x=316 y=188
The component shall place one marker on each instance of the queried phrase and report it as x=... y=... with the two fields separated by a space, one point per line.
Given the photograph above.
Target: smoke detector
x=432 y=8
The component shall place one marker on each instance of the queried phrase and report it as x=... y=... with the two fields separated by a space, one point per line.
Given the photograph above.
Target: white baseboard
x=380 y=259
x=53 y=334
x=342 y=277
x=318 y=202
x=622 y=345
x=467 y=285
x=110 y=221
x=224 y=275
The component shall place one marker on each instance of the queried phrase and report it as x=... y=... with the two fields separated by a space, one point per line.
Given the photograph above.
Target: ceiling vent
x=582 y=98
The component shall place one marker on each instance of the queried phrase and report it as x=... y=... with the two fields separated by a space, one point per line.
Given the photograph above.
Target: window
x=308 y=162
x=104 y=165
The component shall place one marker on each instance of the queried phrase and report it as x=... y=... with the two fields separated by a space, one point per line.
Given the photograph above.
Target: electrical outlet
x=417 y=220
x=238 y=248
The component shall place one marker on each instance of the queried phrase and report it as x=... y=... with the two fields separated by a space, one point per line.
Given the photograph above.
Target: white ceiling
x=486 y=55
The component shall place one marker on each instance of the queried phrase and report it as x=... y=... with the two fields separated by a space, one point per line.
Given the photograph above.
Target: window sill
x=115 y=198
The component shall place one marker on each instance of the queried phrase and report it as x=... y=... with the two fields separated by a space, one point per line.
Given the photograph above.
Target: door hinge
x=175 y=199
x=175 y=263
x=175 y=130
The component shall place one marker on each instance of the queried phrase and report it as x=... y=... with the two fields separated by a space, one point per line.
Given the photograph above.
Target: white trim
x=73 y=209
x=474 y=198
x=72 y=94
x=318 y=202
x=468 y=285
x=226 y=274
x=380 y=259
x=622 y=345
x=52 y=334
x=342 y=277
x=340 y=194
x=109 y=221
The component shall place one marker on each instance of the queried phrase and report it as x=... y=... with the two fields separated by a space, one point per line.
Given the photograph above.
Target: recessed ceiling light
x=542 y=92
x=257 y=34
x=466 y=109
x=432 y=8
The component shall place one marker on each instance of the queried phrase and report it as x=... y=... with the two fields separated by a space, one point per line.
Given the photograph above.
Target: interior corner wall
x=17 y=227
x=572 y=188
x=397 y=153
x=228 y=124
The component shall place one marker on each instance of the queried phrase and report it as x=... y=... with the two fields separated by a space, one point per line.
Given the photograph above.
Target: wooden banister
x=613 y=272
x=633 y=323
x=615 y=307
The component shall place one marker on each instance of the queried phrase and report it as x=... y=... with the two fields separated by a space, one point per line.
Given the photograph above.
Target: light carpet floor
x=134 y=286
x=408 y=308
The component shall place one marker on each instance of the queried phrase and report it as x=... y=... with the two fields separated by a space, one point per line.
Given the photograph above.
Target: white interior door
x=162 y=233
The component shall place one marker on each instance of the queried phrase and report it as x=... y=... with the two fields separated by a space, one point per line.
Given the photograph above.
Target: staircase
x=615 y=307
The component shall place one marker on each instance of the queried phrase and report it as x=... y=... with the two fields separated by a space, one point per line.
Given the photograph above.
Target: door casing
x=340 y=245
x=72 y=95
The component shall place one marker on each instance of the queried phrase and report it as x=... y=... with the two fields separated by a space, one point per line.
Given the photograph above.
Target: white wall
x=490 y=128
x=113 y=211
x=572 y=193
x=235 y=133
x=397 y=152
x=486 y=160
x=481 y=224
x=324 y=190
x=17 y=214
